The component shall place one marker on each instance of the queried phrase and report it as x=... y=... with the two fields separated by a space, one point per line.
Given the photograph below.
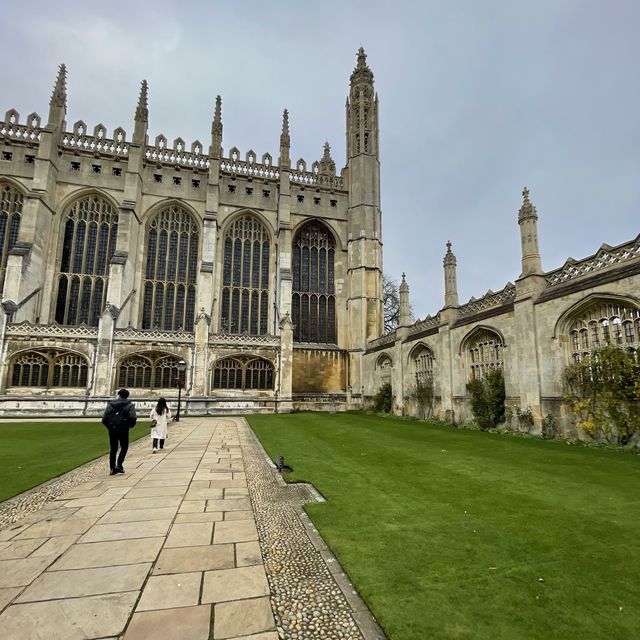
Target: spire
x=285 y=140
x=362 y=73
x=59 y=95
x=528 y=221
x=216 y=129
x=142 y=109
x=450 y=278
x=527 y=210
x=404 y=319
x=327 y=165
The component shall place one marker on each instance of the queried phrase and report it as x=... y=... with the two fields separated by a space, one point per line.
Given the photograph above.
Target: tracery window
x=313 y=301
x=169 y=297
x=243 y=372
x=244 y=304
x=90 y=231
x=49 y=368
x=484 y=353
x=422 y=358
x=384 y=364
x=604 y=323
x=10 y=212
x=149 y=370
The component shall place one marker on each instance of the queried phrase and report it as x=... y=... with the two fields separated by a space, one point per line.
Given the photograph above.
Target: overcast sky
x=477 y=100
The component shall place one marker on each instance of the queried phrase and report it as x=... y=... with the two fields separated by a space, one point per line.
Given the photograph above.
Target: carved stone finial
x=203 y=315
x=59 y=95
x=527 y=210
x=216 y=127
x=285 y=139
x=327 y=165
x=449 y=258
x=142 y=108
x=404 y=286
x=362 y=71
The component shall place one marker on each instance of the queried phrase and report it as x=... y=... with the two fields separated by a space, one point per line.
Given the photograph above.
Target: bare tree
x=391 y=303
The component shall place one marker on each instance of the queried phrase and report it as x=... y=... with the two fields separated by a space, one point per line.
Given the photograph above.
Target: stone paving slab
x=169 y=549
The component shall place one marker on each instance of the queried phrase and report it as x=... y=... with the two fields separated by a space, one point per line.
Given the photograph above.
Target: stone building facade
x=531 y=329
x=123 y=255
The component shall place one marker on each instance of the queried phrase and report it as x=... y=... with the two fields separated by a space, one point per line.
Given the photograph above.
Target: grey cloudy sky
x=477 y=99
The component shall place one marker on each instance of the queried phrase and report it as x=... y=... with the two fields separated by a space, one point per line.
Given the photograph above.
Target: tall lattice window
x=422 y=359
x=484 y=352
x=149 y=370
x=10 y=212
x=49 y=368
x=245 y=278
x=313 y=301
x=169 y=298
x=90 y=230
x=604 y=323
x=243 y=372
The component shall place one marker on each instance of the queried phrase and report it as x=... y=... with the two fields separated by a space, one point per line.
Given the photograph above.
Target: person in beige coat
x=160 y=416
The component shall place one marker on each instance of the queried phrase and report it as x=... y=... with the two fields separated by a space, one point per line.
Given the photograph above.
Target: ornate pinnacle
x=142 y=108
x=403 y=285
x=362 y=71
x=285 y=139
x=59 y=95
x=216 y=126
x=449 y=258
x=527 y=210
x=327 y=165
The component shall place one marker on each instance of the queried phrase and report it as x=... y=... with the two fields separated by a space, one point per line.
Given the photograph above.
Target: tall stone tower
x=364 y=301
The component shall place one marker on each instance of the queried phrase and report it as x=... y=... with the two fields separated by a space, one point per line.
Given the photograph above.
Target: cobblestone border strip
x=34 y=499
x=311 y=596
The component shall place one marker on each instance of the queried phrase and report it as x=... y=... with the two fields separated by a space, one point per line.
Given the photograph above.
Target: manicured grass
x=454 y=534
x=34 y=452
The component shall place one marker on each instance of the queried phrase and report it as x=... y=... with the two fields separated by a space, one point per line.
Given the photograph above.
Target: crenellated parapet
x=607 y=256
x=98 y=143
x=177 y=155
x=489 y=300
x=28 y=132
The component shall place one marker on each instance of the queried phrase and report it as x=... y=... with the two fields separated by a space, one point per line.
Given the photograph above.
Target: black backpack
x=118 y=417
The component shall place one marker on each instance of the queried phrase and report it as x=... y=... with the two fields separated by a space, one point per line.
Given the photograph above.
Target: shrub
x=603 y=391
x=487 y=399
x=383 y=400
x=422 y=394
x=525 y=419
x=549 y=427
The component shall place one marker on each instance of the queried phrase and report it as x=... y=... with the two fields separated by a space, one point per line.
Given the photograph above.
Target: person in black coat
x=119 y=416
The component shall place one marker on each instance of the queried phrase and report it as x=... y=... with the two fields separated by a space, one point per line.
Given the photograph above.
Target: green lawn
x=34 y=452
x=455 y=534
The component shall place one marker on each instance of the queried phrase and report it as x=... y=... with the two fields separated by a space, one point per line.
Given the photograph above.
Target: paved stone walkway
x=171 y=550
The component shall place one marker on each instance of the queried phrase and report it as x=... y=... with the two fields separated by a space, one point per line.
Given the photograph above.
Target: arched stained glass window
x=484 y=352
x=149 y=370
x=243 y=372
x=601 y=324
x=169 y=290
x=90 y=231
x=244 y=306
x=313 y=301
x=422 y=359
x=10 y=212
x=49 y=368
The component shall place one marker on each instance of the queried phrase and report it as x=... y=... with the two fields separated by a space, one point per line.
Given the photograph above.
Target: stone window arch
x=11 y=201
x=313 y=300
x=422 y=360
x=484 y=352
x=384 y=364
x=148 y=370
x=90 y=231
x=244 y=307
x=49 y=368
x=602 y=323
x=242 y=373
x=169 y=297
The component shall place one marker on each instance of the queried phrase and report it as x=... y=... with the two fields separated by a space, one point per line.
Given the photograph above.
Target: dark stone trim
x=119 y=257
x=206 y=267
x=21 y=248
x=422 y=334
x=381 y=347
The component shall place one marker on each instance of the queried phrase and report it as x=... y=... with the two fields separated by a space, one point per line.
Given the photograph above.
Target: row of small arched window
x=51 y=368
x=170 y=271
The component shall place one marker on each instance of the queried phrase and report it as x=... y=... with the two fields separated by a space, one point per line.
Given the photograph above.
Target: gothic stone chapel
x=119 y=258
